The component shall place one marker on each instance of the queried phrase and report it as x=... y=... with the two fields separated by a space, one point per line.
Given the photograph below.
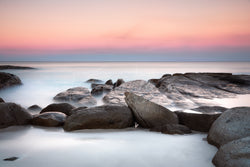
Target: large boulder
x=233 y=124
x=149 y=114
x=77 y=95
x=13 y=114
x=139 y=87
x=101 y=117
x=50 y=119
x=7 y=79
x=59 y=107
x=197 y=121
x=172 y=129
x=100 y=89
x=210 y=109
x=234 y=154
x=34 y=108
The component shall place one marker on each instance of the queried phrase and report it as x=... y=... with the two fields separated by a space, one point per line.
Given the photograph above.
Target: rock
x=13 y=114
x=10 y=159
x=78 y=95
x=7 y=67
x=101 y=117
x=100 y=89
x=210 y=109
x=197 y=121
x=139 y=87
x=109 y=82
x=50 y=119
x=118 y=82
x=77 y=109
x=1 y=100
x=149 y=114
x=233 y=124
x=154 y=81
x=172 y=129
x=93 y=85
x=234 y=154
x=35 y=108
x=94 y=81
x=59 y=107
x=7 y=79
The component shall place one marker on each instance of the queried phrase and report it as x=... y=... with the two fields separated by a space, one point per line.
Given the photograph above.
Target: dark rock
x=210 y=109
x=197 y=121
x=233 y=124
x=93 y=85
x=109 y=82
x=35 y=108
x=149 y=114
x=166 y=75
x=118 y=82
x=94 y=81
x=78 y=95
x=172 y=129
x=101 y=117
x=10 y=159
x=7 y=67
x=234 y=154
x=13 y=114
x=154 y=81
x=7 y=79
x=77 y=109
x=1 y=100
x=59 y=107
x=100 y=89
x=50 y=119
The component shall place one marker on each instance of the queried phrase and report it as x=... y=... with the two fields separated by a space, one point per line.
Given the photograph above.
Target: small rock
x=1 y=100
x=7 y=79
x=109 y=82
x=59 y=107
x=94 y=81
x=10 y=159
x=35 y=108
x=172 y=129
x=118 y=82
x=100 y=89
x=50 y=119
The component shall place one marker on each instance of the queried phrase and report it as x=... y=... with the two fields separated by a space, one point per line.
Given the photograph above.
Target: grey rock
x=149 y=114
x=1 y=100
x=101 y=117
x=94 y=81
x=77 y=109
x=59 y=107
x=7 y=67
x=172 y=129
x=234 y=154
x=210 y=109
x=109 y=82
x=10 y=159
x=118 y=82
x=35 y=108
x=78 y=95
x=50 y=119
x=100 y=89
x=7 y=79
x=233 y=124
x=154 y=81
x=197 y=121
x=13 y=114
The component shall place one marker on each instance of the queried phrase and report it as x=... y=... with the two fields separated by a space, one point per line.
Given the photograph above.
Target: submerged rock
x=149 y=114
x=13 y=114
x=50 y=119
x=172 y=129
x=7 y=79
x=197 y=121
x=10 y=159
x=233 y=124
x=59 y=107
x=94 y=81
x=7 y=67
x=234 y=154
x=101 y=117
x=109 y=82
x=118 y=82
x=78 y=95
x=35 y=108
x=210 y=109
x=100 y=89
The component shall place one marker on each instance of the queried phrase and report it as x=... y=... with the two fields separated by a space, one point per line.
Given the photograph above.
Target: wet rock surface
x=78 y=95
x=7 y=80
x=233 y=124
x=101 y=117
x=172 y=129
x=50 y=119
x=59 y=107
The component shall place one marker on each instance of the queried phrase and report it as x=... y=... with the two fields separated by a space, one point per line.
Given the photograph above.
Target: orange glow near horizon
x=119 y=24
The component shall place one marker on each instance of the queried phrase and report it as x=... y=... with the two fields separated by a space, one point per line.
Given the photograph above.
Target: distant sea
x=49 y=78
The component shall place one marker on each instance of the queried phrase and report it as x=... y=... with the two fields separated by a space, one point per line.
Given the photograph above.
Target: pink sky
x=59 y=25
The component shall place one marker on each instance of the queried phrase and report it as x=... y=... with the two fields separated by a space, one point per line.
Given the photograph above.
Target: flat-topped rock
x=139 y=87
x=77 y=95
x=210 y=109
x=172 y=129
x=50 y=119
x=8 y=67
x=7 y=80
x=59 y=107
x=34 y=108
x=92 y=80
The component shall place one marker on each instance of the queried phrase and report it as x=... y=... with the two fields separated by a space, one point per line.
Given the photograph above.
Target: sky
x=124 y=30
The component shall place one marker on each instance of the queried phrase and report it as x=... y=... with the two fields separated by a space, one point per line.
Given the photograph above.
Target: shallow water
x=41 y=85
x=42 y=147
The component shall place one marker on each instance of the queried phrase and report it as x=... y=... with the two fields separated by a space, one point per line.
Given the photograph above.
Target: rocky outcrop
x=7 y=79
x=233 y=124
x=13 y=114
x=94 y=81
x=197 y=121
x=118 y=82
x=100 y=89
x=172 y=129
x=234 y=154
x=8 y=67
x=139 y=87
x=101 y=117
x=1 y=100
x=59 y=107
x=77 y=95
x=50 y=119
x=34 y=108
x=149 y=114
